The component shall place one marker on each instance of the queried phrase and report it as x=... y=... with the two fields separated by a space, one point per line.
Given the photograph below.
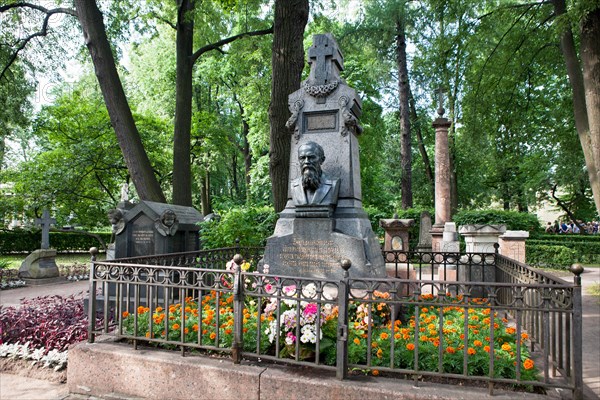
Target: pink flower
x=268 y=288
x=310 y=309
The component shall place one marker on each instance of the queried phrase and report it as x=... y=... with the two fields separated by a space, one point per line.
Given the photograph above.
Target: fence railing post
x=576 y=334
x=238 y=311
x=342 y=330
x=92 y=297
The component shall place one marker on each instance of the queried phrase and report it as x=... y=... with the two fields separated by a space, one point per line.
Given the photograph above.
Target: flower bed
x=289 y=327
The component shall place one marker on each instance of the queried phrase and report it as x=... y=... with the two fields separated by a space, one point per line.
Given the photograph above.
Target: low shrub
x=251 y=225
x=49 y=323
x=549 y=256
x=20 y=241
x=513 y=220
x=586 y=252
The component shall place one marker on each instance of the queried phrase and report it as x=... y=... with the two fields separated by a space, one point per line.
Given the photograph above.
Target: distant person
x=549 y=228
x=556 y=226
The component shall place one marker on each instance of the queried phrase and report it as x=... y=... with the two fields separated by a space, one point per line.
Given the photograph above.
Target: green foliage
x=513 y=220
x=586 y=251
x=12 y=242
x=252 y=225
x=560 y=257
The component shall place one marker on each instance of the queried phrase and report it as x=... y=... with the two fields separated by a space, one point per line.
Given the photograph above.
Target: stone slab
x=115 y=370
x=103 y=369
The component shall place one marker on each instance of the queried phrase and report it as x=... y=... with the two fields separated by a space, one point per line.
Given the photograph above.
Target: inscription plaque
x=311 y=255
x=321 y=122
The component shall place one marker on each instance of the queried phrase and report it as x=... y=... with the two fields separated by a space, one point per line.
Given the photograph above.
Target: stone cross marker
x=323 y=53
x=45 y=223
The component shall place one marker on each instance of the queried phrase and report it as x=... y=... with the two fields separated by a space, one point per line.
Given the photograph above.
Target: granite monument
x=324 y=221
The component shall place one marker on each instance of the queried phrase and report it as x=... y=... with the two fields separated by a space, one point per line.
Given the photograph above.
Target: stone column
x=442 y=180
x=512 y=245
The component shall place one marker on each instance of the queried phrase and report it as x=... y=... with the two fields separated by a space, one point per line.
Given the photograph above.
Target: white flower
x=309 y=291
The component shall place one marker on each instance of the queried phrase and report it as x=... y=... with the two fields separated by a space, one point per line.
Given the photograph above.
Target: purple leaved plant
x=49 y=322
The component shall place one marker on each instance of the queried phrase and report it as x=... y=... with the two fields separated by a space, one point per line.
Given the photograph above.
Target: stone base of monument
x=39 y=268
x=312 y=247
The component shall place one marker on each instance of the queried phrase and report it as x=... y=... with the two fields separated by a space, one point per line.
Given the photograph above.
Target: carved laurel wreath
x=320 y=90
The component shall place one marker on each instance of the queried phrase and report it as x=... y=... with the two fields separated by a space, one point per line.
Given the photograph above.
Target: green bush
x=570 y=237
x=513 y=220
x=587 y=252
x=540 y=255
x=251 y=225
x=20 y=241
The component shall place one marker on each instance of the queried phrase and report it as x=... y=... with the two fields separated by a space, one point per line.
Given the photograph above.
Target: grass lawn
x=14 y=261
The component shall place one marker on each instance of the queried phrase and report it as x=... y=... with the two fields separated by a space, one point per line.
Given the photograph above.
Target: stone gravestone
x=424 y=232
x=324 y=221
x=40 y=266
x=150 y=228
x=480 y=239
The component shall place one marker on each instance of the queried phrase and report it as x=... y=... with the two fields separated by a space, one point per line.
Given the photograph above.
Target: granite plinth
x=313 y=248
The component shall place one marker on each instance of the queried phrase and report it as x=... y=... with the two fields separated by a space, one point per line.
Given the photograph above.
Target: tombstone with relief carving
x=324 y=220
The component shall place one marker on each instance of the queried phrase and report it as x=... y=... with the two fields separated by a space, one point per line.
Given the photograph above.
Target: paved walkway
x=17 y=387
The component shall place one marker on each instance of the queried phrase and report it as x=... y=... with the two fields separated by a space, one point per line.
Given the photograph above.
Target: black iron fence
x=469 y=317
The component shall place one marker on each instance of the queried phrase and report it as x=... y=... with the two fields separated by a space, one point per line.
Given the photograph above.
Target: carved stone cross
x=321 y=55
x=45 y=223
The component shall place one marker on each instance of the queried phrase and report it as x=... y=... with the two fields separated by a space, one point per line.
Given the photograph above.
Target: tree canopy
x=197 y=120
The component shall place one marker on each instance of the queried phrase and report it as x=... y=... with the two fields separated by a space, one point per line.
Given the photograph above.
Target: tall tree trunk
x=135 y=156
x=287 y=62
x=590 y=59
x=417 y=128
x=182 y=170
x=205 y=194
x=589 y=46
x=404 y=91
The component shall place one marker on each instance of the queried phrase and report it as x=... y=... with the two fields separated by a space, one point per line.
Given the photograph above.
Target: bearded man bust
x=313 y=187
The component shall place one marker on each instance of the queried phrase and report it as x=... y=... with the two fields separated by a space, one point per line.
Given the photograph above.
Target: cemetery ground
x=20 y=379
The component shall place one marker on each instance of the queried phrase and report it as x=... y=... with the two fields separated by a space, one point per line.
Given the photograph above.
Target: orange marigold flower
x=450 y=350
x=510 y=330
x=410 y=346
x=384 y=335
x=141 y=309
x=471 y=351
x=506 y=347
x=176 y=327
x=213 y=336
x=524 y=336
x=158 y=309
x=228 y=331
x=436 y=342
x=147 y=334
x=375 y=372
x=423 y=338
x=379 y=353
x=204 y=331
x=528 y=364
x=186 y=331
x=486 y=349
x=125 y=314
x=245 y=330
x=195 y=327
x=424 y=309
x=397 y=336
x=356 y=341
x=374 y=345
x=477 y=343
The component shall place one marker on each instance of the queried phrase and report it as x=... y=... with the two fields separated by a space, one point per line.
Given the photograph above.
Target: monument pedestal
x=313 y=248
